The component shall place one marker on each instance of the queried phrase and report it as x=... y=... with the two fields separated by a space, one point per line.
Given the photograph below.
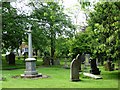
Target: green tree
x=82 y=43
x=39 y=38
x=62 y=46
x=12 y=27
x=55 y=23
x=104 y=22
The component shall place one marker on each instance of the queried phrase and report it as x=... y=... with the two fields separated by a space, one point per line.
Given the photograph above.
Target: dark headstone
x=11 y=58
x=82 y=58
x=46 y=60
x=113 y=67
x=74 y=69
x=7 y=58
x=94 y=69
x=109 y=66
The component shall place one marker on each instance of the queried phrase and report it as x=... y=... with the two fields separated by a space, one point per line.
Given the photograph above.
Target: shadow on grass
x=13 y=67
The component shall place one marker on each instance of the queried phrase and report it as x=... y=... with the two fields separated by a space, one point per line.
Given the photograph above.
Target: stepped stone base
x=31 y=76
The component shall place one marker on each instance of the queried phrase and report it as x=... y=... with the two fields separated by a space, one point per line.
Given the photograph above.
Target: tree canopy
x=102 y=36
x=104 y=22
x=12 y=27
x=53 y=30
x=53 y=22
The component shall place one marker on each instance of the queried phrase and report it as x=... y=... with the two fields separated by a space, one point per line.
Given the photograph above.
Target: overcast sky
x=22 y=6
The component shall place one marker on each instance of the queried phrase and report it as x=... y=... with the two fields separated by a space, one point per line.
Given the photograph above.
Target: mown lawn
x=58 y=78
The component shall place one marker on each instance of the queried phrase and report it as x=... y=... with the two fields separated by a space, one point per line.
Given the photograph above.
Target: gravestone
x=57 y=62
x=74 y=69
x=86 y=62
x=7 y=58
x=94 y=70
x=46 y=59
x=66 y=66
x=109 y=66
x=11 y=59
x=87 y=59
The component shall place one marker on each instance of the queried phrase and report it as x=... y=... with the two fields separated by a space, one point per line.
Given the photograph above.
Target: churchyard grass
x=58 y=78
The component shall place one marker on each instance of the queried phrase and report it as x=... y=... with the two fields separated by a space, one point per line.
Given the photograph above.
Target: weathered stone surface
x=74 y=69
x=31 y=76
x=30 y=66
x=94 y=69
x=30 y=71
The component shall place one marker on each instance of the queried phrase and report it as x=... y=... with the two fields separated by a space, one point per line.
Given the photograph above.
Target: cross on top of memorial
x=29 y=30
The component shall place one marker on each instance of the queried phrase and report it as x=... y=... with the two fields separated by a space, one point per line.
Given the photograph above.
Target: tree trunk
x=52 y=46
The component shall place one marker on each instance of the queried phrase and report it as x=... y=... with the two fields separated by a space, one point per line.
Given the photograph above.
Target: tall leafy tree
x=55 y=23
x=104 y=22
x=82 y=43
x=12 y=27
x=62 y=46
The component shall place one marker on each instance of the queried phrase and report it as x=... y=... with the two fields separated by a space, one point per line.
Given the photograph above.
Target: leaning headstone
x=74 y=69
x=94 y=69
x=109 y=66
x=11 y=59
